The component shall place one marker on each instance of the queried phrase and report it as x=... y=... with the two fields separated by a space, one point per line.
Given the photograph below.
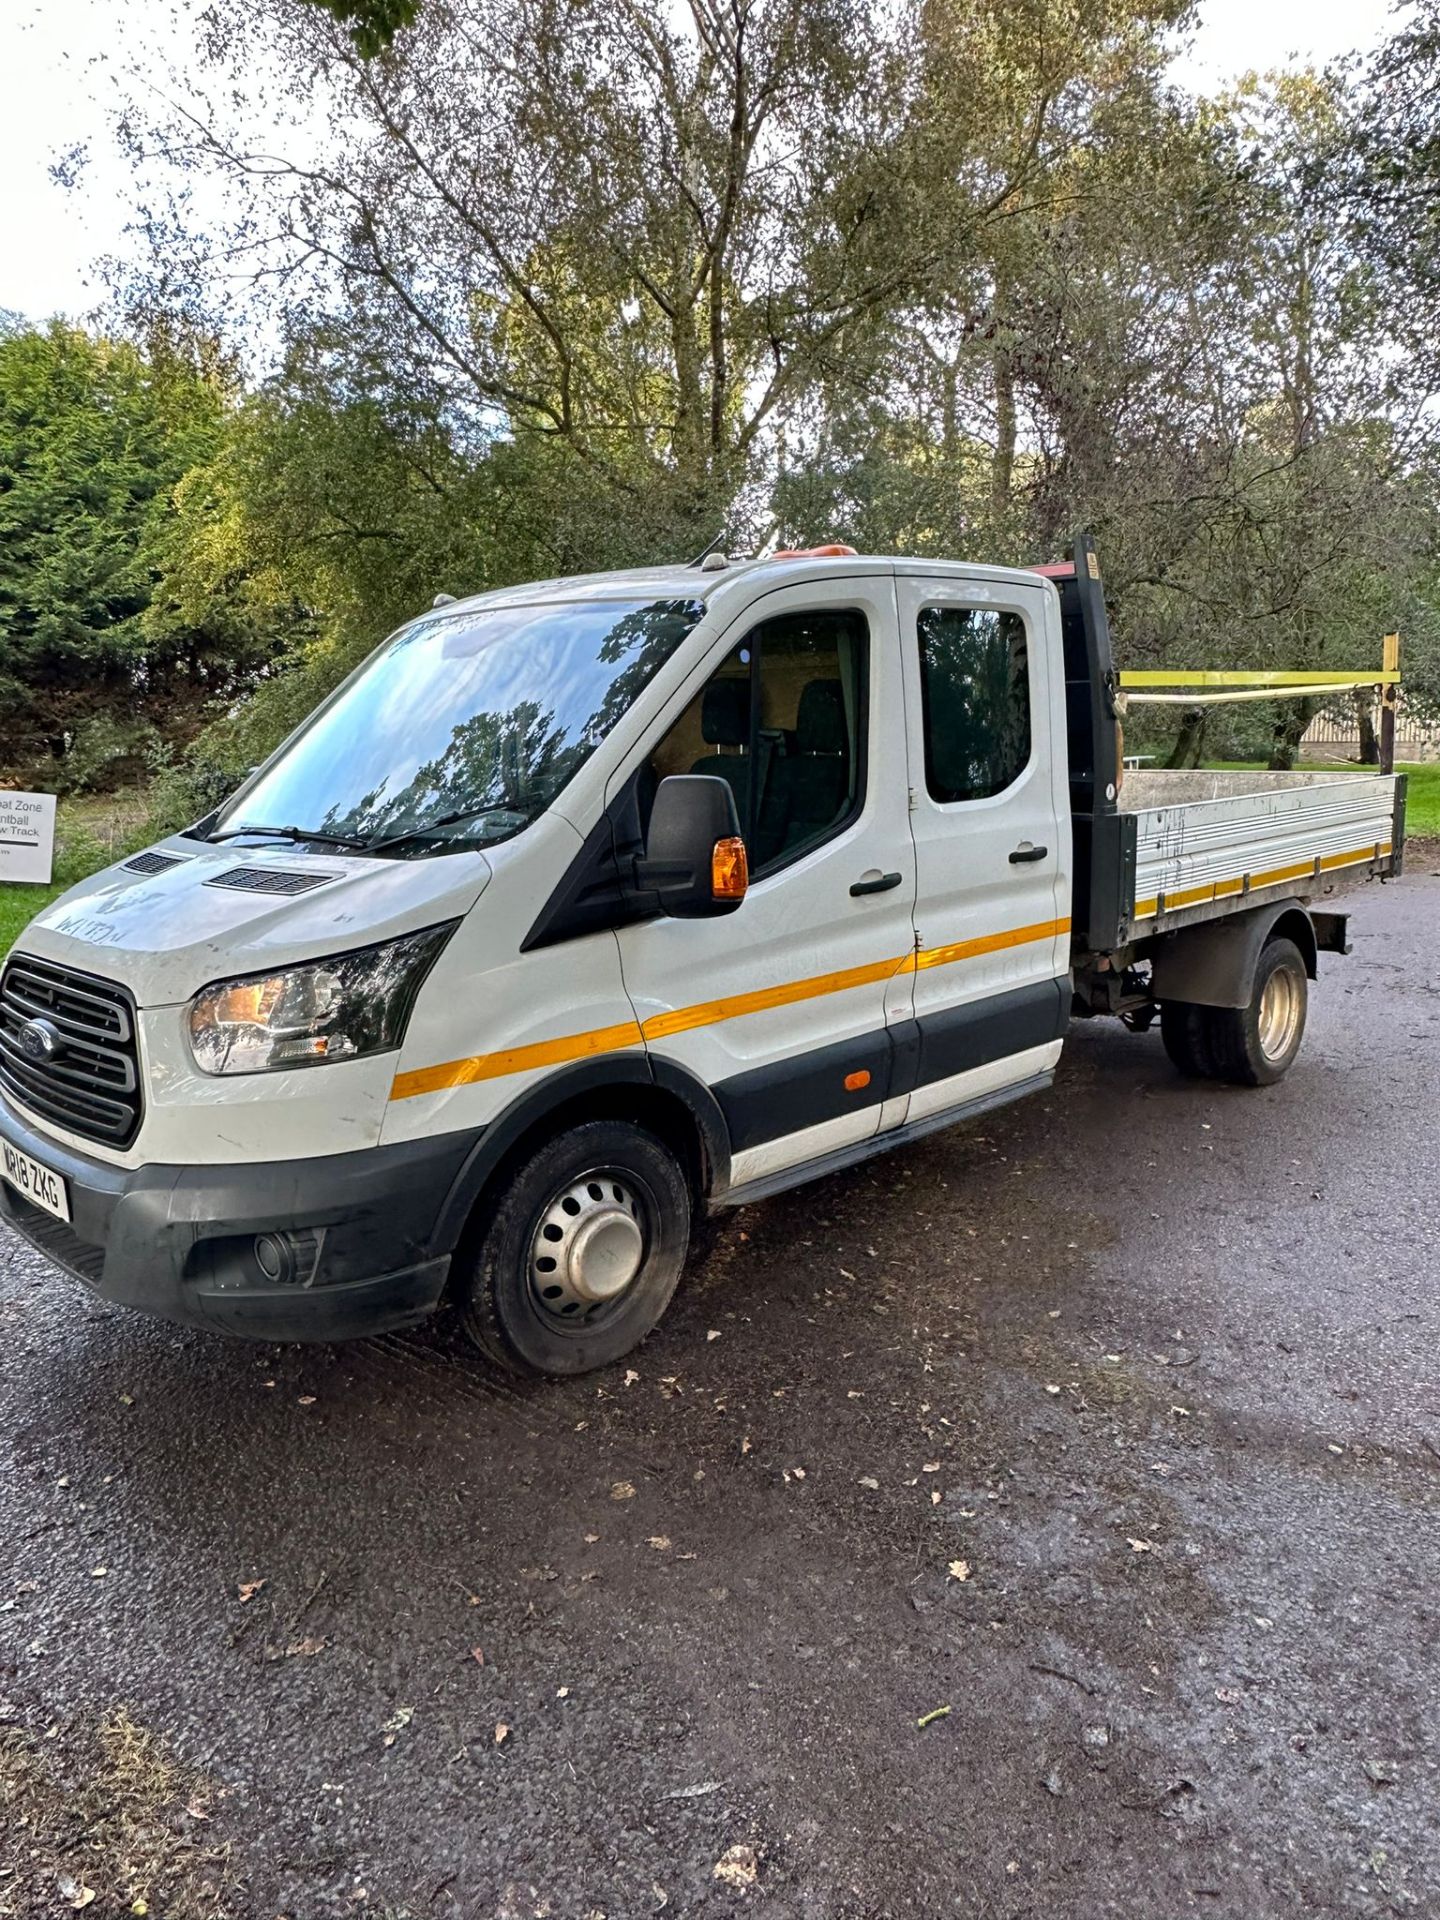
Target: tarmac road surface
x=1111 y=1425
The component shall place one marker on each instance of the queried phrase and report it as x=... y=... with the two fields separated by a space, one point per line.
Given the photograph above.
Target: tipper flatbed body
x=585 y=906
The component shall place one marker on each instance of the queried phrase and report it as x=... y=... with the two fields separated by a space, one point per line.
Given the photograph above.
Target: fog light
x=289 y=1259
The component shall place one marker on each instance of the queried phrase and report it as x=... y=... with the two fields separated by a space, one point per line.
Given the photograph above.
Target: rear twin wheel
x=583 y=1252
x=1251 y=1046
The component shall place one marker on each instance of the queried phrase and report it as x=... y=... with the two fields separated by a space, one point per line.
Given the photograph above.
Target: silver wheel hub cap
x=588 y=1247
x=1279 y=1013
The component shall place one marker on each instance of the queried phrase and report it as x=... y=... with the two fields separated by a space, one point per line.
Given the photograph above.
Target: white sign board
x=27 y=836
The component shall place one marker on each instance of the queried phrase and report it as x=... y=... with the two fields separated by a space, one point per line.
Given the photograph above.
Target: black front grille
x=270 y=880
x=55 y=1238
x=90 y=1084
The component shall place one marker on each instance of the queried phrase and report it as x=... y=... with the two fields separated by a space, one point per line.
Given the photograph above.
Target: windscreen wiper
x=433 y=826
x=294 y=834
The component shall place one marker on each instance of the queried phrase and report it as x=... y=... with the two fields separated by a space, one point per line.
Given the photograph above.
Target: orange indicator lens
x=729 y=870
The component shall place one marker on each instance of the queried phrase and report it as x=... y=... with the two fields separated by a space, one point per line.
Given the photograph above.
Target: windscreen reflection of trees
x=977 y=701
x=520 y=759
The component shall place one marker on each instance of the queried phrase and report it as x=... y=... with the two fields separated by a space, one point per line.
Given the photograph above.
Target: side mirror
x=694 y=860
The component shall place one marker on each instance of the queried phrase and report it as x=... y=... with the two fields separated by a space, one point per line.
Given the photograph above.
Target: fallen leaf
x=196 y=1808
x=249 y=1589
x=1142 y=1546
x=660 y=1541
x=502 y=1733
x=306 y=1647
x=397 y=1724
x=737 y=1867
x=127 y=1399
x=622 y=1490
x=959 y=1569
x=477 y=1654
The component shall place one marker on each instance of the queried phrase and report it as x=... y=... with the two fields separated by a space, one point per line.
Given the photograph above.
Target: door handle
x=1022 y=855
x=882 y=883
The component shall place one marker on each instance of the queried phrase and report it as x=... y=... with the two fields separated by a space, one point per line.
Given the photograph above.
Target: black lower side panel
x=808 y=1089
x=957 y=1039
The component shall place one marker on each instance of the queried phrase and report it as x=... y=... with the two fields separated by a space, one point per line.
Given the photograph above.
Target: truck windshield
x=465 y=726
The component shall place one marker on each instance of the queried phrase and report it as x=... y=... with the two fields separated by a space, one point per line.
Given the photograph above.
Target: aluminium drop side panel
x=1224 y=836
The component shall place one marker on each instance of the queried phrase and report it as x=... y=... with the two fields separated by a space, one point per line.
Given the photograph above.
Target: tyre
x=1183 y=1028
x=1255 y=1046
x=581 y=1255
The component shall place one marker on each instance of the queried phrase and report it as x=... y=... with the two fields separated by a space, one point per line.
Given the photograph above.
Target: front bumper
x=361 y=1232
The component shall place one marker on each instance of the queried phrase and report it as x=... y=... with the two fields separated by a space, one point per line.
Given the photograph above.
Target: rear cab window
x=975 y=694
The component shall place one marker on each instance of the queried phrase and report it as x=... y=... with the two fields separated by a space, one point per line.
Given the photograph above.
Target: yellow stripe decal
x=990 y=943
x=706 y=1013
x=1272 y=877
x=494 y=1066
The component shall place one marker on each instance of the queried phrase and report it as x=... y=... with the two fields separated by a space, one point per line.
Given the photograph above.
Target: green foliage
x=569 y=288
x=95 y=436
x=373 y=24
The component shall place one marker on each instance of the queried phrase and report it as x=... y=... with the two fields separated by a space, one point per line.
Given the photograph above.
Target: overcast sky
x=59 y=74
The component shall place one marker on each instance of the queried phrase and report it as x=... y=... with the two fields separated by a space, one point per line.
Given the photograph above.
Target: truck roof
x=689 y=582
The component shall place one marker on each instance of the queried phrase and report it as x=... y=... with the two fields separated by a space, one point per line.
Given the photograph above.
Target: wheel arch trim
x=583 y=1086
x=1213 y=965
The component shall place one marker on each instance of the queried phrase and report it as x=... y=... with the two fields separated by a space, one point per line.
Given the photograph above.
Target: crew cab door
x=784 y=1009
x=984 y=686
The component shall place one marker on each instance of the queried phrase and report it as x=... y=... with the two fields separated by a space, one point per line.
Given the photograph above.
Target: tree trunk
x=1288 y=732
x=1369 y=739
x=1002 y=360
x=1190 y=740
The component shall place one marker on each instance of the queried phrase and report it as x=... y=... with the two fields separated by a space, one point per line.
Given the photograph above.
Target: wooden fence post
x=1390 y=664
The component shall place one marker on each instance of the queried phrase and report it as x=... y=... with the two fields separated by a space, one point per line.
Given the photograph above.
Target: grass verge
x=89 y=834
x=106 y=1819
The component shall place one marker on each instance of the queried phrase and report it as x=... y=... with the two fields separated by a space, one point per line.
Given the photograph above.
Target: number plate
x=37 y=1183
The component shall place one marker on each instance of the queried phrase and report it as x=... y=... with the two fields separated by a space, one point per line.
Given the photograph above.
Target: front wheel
x=1256 y=1045
x=582 y=1253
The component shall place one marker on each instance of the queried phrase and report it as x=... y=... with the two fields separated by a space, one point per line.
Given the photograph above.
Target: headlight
x=335 y=1009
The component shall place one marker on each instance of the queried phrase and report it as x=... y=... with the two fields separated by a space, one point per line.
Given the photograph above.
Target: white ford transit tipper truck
x=583 y=907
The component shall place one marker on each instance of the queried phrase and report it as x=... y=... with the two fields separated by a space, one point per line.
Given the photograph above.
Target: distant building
x=1334 y=733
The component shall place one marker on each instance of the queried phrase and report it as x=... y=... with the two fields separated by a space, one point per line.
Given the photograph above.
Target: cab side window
x=782 y=719
x=975 y=691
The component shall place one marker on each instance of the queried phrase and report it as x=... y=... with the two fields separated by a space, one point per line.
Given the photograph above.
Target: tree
x=644 y=235
x=95 y=433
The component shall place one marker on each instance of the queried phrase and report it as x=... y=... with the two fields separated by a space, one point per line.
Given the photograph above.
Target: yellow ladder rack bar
x=1383 y=676
x=1225 y=699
